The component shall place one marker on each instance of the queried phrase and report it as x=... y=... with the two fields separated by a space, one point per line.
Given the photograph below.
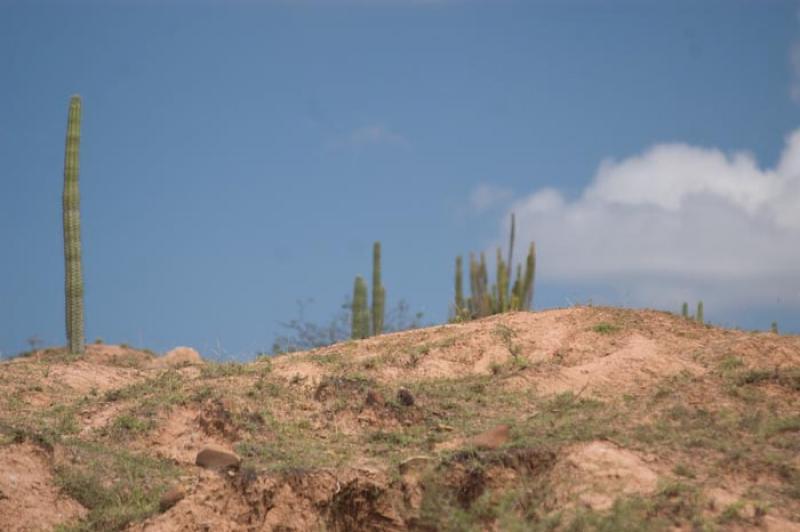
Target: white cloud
x=485 y=196
x=676 y=222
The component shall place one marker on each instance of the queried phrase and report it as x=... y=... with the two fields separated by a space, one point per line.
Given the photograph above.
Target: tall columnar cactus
x=685 y=310
x=360 y=316
x=699 y=316
x=501 y=303
x=503 y=295
x=460 y=308
x=72 y=231
x=529 y=279
x=516 y=298
x=378 y=291
x=510 y=263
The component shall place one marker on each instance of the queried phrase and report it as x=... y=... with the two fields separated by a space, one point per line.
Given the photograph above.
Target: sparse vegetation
x=303 y=423
x=502 y=296
x=605 y=328
x=116 y=486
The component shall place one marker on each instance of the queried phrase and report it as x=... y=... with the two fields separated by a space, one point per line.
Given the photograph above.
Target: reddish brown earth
x=574 y=419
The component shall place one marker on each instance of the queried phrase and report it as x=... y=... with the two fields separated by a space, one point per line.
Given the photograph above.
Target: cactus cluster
x=503 y=295
x=698 y=317
x=72 y=231
x=369 y=321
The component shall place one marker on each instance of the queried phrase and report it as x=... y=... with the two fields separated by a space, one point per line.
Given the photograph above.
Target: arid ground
x=585 y=418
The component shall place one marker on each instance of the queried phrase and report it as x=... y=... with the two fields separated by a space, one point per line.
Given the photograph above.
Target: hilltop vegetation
x=574 y=419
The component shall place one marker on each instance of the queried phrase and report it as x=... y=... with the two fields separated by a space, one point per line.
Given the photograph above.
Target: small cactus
x=685 y=310
x=459 y=309
x=699 y=316
x=360 y=313
x=510 y=263
x=72 y=231
x=528 y=280
x=774 y=327
x=378 y=291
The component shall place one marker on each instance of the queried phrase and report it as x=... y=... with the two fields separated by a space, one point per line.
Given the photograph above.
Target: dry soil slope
x=581 y=418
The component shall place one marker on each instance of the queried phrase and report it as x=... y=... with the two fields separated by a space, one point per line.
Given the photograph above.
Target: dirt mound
x=583 y=419
x=180 y=356
x=29 y=497
x=597 y=473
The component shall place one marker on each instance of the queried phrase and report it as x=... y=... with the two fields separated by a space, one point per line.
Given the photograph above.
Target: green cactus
x=699 y=316
x=529 y=278
x=685 y=310
x=510 y=262
x=503 y=295
x=378 y=291
x=516 y=299
x=72 y=231
x=360 y=313
x=774 y=327
x=460 y=309
x=501 y=298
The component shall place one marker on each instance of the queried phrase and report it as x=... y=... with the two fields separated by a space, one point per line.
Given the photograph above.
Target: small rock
x=373 y=398
x=414 y=464
x=218 y=458
x=170 y=498
x=492 y=438
x=404 y=397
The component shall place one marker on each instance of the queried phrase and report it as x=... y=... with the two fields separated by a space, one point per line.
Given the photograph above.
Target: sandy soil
x=327 y=441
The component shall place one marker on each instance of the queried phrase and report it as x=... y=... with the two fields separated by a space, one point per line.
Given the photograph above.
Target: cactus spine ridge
x=459 y=308
x=378 y=291
x=360 y=313
x=73 y=274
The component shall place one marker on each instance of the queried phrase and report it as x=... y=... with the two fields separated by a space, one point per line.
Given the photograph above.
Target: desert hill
x=586 y=418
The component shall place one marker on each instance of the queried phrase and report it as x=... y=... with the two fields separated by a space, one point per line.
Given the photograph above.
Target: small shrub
x=605 y=328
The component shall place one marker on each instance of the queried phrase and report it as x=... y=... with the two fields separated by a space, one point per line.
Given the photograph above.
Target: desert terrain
x=586 y=418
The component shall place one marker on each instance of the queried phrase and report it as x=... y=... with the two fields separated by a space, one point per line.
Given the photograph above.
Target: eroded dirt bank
x=574 y=419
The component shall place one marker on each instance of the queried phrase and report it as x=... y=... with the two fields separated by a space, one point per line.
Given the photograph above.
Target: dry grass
x=698 y=425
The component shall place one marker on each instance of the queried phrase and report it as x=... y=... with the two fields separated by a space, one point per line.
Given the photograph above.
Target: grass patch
x=730 y=363
x=606 y=328
x=787 y=376
x=126 y=426
x=219 y=370
x=167 y=387
x=295 y=445
x=116 y=486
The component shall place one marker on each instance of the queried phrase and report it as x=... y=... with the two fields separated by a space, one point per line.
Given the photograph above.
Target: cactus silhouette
x=529 y=278
x=510 y=263
x=460 y=309
x=378 y=291
x=72 y=231
x=360 y=317
x=503 y=295
x=699 y=316
x=685 y=310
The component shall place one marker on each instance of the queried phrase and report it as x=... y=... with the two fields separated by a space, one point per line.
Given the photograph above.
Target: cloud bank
x=676 y=223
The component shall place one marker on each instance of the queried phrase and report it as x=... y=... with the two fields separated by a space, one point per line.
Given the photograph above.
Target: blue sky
x=239 y=156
